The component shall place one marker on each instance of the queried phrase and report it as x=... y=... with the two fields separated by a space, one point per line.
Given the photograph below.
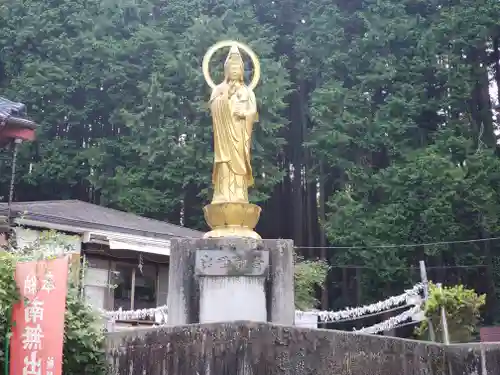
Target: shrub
x=462 y=308
x=84 y=346
x=309 y=275
x=8 y=296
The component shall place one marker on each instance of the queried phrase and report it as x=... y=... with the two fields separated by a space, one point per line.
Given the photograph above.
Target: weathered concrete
x=266 y=349
x=183 y=290
x=474 y=358
x=280 y=292
x=253 y=291
x=226 y=299
x=232 y=284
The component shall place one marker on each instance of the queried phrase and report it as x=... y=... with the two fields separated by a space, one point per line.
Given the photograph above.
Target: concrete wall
x=264 y=349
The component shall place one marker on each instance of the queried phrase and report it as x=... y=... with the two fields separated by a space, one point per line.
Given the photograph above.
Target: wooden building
x=127 y=255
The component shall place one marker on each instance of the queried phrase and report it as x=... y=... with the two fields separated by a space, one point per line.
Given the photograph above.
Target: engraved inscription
x=231 y=263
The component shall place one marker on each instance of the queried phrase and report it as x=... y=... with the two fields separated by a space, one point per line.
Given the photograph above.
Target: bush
x=309 y=275
x=8 y=296
x=84 y=345
x=462 y=312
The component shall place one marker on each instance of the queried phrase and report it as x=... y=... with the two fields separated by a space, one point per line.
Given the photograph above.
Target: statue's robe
x=232 y=173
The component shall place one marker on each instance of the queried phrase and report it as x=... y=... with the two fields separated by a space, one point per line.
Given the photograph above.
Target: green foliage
x=123 y=107
x=382 y=107
x=83 y=349
x=309 y=275
x=462 y=308
x=409 y=155
x=8 y=295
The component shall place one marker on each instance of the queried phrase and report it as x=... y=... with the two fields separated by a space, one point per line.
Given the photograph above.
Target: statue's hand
x=240 y=114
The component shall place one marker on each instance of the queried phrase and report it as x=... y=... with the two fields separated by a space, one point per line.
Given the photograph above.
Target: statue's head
x=234 y=66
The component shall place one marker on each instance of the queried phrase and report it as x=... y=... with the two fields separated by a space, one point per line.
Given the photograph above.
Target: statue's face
x=234 y=72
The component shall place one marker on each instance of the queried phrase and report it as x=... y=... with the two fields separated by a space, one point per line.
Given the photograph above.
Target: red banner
x=38 y=322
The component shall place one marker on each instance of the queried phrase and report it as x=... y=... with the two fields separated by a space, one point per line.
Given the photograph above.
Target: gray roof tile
x=86 y=215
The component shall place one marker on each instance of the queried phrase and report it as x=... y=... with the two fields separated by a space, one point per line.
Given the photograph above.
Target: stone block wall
x=265 y=349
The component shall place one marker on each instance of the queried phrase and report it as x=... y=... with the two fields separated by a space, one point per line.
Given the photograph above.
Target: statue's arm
x=252 y=106
x=217 y=91
x=252 y=103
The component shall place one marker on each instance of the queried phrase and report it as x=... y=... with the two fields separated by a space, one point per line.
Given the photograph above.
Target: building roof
x=78 y=214
x=13 y=122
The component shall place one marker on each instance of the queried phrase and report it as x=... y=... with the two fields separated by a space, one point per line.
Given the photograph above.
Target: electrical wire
x=363 y=247
x=353 y=266
x=346 y=266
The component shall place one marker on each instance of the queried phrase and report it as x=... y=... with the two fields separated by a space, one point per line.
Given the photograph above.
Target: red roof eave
x=8 y=135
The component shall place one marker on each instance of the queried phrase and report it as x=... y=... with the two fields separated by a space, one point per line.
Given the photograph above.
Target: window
x=145 y=288
x=123 y=286
x=134 y=289
x=111 y=285
x=96 y=284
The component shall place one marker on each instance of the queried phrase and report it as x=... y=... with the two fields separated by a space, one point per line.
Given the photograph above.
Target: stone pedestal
x=226 y=299
x=229 y=279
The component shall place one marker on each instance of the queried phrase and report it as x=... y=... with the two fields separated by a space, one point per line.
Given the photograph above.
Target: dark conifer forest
x=376 y=145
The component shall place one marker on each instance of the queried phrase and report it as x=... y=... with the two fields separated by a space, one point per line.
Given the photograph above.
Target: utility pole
x=425 y=282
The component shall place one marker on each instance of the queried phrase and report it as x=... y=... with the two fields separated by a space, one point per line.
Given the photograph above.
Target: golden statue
x=234 y=111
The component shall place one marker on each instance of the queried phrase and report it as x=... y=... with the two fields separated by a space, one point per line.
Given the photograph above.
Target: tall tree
x=376 y=124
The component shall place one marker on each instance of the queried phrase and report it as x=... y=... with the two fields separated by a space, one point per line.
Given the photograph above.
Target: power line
x=353 y=266
x=402 y=245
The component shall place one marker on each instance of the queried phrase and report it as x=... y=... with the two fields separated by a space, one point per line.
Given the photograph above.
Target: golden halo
x=230 y=43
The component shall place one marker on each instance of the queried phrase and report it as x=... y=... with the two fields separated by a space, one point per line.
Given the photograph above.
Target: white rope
x=158 y=313
x=414 y=313
x=409 y=297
